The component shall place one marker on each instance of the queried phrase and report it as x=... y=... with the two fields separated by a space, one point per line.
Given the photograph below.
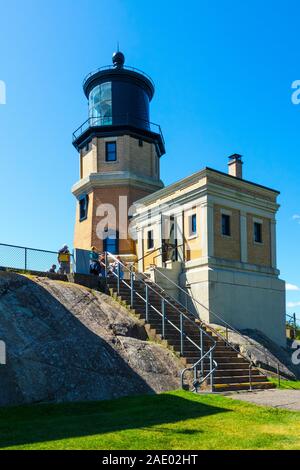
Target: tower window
x=150 y=240
x=111 y=152
x=258 y=232
x=141 y=143
x=83 y=207
x=226 y=229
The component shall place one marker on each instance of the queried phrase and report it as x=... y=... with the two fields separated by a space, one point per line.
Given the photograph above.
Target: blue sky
x=223 y=72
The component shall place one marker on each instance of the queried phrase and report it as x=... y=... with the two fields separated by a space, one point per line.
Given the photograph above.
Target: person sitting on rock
x=52 y=270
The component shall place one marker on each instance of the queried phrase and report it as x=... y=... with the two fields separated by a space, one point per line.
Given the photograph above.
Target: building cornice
x=112 y=179
x=208 y=193
x=231 y=182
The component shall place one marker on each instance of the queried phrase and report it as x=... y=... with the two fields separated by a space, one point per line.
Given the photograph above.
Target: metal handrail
x=204 y=323
x=98 y=121
x=213 y=363
x=250 y=362
x=111 y=67
x=291 y=320
x=160 y=248
x=147 y=254
x=194 y=367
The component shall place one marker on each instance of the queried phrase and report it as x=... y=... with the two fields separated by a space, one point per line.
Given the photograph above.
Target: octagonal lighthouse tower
x=119 y=150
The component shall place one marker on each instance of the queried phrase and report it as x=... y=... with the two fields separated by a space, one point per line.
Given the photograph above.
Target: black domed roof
x=118 y=59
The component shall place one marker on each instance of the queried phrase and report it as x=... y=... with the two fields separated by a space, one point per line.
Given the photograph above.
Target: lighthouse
x=119 y=155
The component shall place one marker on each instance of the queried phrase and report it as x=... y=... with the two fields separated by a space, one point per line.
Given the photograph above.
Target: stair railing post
x=163 y=310
x=118 y=278
x=147 y=302
x=250 y=377
x=186 y=302
x=211 y=371
x=202 y=352
x=131 y=287
x=181 y=335
x=105 y=261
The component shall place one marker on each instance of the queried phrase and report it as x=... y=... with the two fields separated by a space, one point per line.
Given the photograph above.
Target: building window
x=150 y=240
x=258 y=232
x=193 y=225
x=141 y=143
x=87 y=147
x=83 y=207
x=111 y=151
x=226 y=229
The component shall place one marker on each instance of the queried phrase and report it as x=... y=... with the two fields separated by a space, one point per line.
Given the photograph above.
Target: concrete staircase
x=232 y=373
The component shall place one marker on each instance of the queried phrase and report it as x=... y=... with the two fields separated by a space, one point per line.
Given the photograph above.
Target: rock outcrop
x=68 y=343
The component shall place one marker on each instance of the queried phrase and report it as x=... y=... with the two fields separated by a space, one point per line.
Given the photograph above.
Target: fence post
x=278 y=374
x=211 y=372
x=250 y=377
x=131 y=287
x=25 y=259
x=105 y=261
x=186 y=302
x=118 y=278
x=163 y=308
x=147 y=302
x=181 y=335
x=202 y=352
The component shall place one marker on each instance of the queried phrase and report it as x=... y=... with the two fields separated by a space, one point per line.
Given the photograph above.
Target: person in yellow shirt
x=64 y=258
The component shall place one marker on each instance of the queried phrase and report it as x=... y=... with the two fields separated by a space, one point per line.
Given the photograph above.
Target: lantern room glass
x=100 y=105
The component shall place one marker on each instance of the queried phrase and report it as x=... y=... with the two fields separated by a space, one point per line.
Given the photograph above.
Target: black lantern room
x=119 y=99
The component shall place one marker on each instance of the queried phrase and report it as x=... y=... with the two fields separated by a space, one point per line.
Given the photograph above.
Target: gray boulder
x=68 y=343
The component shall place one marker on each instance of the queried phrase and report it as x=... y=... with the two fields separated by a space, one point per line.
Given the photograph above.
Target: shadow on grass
x=42 y=423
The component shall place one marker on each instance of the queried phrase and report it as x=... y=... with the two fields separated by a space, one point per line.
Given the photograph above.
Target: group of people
x=98 y=265
x=64 y=260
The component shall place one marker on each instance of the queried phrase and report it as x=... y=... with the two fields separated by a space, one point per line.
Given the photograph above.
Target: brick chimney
x=235 y=166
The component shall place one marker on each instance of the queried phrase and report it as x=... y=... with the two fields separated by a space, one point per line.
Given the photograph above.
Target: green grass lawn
x=175 y=420
x=286 y=384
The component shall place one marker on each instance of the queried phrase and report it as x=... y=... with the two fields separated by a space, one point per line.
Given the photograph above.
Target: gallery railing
x=118 y=120
x=111 y=67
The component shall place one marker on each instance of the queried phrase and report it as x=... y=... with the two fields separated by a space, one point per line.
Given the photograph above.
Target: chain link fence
x=27 y=259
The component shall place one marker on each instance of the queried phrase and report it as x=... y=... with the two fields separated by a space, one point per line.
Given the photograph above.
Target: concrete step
x=235 y=379
x=222 y=361
x=234 y=373
x=216 y=354
x=230 y=387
